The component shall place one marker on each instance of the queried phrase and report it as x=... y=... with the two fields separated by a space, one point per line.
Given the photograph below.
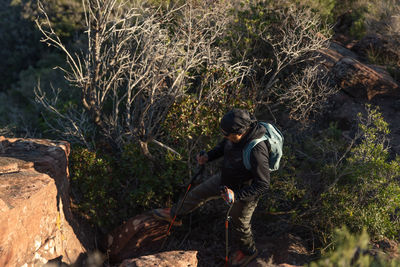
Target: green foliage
x=346 y=250
x=94 y=184
x=367 y=195
x=18 y=106
x=386 y=58
x=26 y=61
x=373 y=16
x=192 y=123
x=325 y=183
x=66 y=16
x=325 y=8
x=352 y=250
x=287 y=192
x=243 y=37
x=20 y=44
x=107 y=190
x=358 y=29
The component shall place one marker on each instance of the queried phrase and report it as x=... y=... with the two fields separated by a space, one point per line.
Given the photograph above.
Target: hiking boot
x=165 y=215
x=241 y=259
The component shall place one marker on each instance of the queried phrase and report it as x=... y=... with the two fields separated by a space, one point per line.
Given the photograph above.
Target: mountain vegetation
x=138 y=88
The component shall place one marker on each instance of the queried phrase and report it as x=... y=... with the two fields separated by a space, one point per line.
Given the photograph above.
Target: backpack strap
x=248 y=148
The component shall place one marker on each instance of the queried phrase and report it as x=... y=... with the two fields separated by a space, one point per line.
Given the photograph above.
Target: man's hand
x=228 y=195
x=202 y=158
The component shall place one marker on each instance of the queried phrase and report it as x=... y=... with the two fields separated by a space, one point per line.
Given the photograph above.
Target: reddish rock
x=362 y=81
x=164 y=259
x=334 y=53
x=355 y=78
x=34 y=203
x=139 y=235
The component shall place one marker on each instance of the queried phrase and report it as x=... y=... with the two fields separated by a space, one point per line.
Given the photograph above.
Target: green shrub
x=287 y=191
x=192 y=123
x=367 y=193
x=325 y=8
x=328 y=182
x=352 y=250
x=107 y=190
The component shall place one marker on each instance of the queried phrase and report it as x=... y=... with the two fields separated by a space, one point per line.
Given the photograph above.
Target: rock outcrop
x=359 y=80
x=164 y=259
x=35 y=222
x=361 y=83
x=140 y=234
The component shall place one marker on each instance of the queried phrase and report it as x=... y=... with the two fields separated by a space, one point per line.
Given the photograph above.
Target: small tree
x=361 y=186
x=138 y=61
x=283 y=42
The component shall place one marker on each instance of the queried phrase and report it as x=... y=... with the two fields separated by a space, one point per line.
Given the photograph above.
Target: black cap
x=236 y=121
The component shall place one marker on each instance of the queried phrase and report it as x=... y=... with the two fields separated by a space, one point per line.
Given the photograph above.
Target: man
x=246 y=186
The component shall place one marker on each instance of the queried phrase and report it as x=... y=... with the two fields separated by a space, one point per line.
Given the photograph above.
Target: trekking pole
x=226 y=234
x=229 y=198
x=194 y=178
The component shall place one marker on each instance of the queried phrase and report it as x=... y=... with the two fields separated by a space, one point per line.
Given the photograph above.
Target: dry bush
x=139 y=60
x=305 y=93
x=293 y=77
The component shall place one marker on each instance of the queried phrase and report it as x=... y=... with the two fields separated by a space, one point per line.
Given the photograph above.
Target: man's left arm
x=259 y=160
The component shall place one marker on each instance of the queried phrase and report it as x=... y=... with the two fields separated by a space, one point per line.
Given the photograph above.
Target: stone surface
x=334 y=53
x=357 y=79
x=360 y=84
x=140 y=234
x=362 y=81
x=35 y=221
x=164 y=259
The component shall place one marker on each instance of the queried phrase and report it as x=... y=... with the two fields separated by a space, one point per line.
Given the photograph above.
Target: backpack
x=275 y=139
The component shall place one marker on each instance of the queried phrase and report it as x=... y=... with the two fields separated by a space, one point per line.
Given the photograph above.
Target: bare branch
x=138 y=61
x=294 y=39
x=305 y=93
x=74 y=125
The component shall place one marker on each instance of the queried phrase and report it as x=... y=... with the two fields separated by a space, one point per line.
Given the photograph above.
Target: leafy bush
x=376 y=16
x=352 y=250
x=325 y=8
x=357 y=185
x=328 y=181
x=107 y=190
x=20 y=43
x=369 y=195
x=358 y=29
x=192 y=124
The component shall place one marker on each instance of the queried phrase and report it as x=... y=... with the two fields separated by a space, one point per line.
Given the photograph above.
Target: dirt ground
x=276 y=240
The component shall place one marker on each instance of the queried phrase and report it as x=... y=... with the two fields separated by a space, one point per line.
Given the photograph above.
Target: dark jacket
x=247 y=184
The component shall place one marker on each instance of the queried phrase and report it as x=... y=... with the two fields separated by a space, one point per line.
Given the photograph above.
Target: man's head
x=235 y=123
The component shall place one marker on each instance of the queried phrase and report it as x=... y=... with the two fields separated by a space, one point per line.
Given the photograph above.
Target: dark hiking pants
x=241 y=211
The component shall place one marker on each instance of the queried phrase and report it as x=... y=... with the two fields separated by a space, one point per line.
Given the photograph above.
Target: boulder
x=35 y=221
x=363 y=81
x=164 y=259
x=334 y=53
x=135 y=237
x=360 y=84
x=357 y=79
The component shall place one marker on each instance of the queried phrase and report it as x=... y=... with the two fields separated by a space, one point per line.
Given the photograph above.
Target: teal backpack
x=275 y=139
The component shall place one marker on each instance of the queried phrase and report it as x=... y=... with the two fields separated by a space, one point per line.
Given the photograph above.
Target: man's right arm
x=217 y=151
